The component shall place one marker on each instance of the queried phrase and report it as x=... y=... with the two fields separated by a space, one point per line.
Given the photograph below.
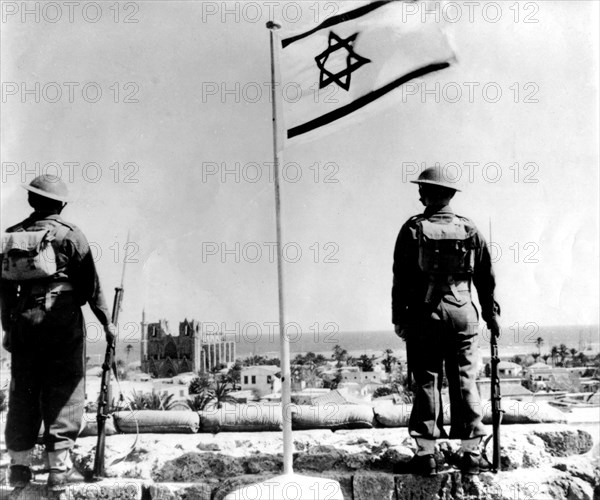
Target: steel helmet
x=437 y=177
x=49 y=186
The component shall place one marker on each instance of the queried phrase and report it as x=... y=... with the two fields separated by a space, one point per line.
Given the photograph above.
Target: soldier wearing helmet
x=48 y=273
x=438 y=257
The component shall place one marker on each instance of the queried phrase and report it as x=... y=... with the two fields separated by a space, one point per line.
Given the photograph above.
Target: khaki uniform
x=441 y=322
x=46 y=335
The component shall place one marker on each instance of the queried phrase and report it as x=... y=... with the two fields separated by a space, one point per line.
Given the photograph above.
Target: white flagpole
x=286 y=387
x=303 y=487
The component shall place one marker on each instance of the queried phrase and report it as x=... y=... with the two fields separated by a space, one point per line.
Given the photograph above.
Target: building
x=165 y=355
x=261 y=379
x=510 y=388
x=509 y=369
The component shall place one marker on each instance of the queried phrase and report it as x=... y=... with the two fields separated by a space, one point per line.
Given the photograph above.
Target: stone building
x=166 y=355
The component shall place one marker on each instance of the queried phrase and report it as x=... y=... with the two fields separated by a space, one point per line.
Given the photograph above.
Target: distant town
x=195 y=370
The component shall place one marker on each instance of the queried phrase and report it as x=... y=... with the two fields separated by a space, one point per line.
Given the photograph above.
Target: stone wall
x=539 y=462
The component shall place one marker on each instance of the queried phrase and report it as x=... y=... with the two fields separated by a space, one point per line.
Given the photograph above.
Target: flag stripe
x=340 y=18
x=362 y=101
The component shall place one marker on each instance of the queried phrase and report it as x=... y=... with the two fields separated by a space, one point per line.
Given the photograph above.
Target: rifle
x=104 y=400
x=496 y=399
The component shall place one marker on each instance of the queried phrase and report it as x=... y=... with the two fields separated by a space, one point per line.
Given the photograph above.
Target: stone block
x=109 y=489
x=567 y=442
x=374 y=485
x=180 y=491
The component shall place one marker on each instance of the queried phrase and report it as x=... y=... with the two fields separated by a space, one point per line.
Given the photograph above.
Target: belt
x=49 y=291
x=449 y=285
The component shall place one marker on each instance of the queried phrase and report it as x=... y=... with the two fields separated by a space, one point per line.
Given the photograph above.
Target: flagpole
x=285 y=348
x=276 y=488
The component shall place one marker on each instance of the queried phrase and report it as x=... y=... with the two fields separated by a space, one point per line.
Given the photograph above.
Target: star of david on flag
x=353 y=59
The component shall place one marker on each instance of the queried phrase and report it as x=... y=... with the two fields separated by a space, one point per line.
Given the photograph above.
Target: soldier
x=437 y=258
x=42 y=291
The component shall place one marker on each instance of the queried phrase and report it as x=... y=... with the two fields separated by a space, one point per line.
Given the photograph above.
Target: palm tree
x=554 y=354
x=199 y=384
x=365 y=362
x=219 y=393
x=389 y=360
x=545 y=358
x=538 y=342
x=151 y=401
x=581 y=359
x=199 y=402
x=573 y=352
x=128 y=349
x=339 y=354
x=563 y=352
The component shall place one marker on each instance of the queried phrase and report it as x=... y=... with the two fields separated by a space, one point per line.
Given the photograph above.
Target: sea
x=514 y=340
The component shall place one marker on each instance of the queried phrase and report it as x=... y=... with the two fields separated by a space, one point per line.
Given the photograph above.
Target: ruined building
x=166 y=355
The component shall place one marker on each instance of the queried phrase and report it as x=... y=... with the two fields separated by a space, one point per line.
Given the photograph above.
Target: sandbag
x=332 y=416
x=89 y=426
x=241 y=418
x=390 y=415
x=157 y=421
x=387 y=415
x=525 y=412
x=515 y=412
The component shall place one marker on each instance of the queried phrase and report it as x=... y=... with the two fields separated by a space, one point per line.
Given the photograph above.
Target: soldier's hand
x=400 y=331
x=110 y=332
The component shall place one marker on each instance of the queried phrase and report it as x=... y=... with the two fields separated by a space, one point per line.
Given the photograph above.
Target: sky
x=162 y=127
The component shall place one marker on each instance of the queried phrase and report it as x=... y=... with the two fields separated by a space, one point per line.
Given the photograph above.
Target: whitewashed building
x=261 y=379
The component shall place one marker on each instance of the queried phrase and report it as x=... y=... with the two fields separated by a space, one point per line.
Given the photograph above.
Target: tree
x=517 y=359
x=257 y=359
x=335 y=382
x=365 y=363
x=573 y=352
x=234 y=375
x=339 y=354
x=199 y=402
x=128 y=349
x=389 y=360
x=199 y=384
x=554 y=354
x=384 y=390
x=545 y=358
x=535 y=356
x=563 y=352
x=538 y=342
x=219 y=393
x=581 y=359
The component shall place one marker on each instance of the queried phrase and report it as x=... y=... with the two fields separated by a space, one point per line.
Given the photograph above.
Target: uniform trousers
x=445 y=335
x=47 y=373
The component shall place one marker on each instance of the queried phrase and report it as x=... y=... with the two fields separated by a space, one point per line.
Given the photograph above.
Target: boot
x=421 y=465
x=59 y=464
x=62 y=473
x=473 y=463
x=19 y=473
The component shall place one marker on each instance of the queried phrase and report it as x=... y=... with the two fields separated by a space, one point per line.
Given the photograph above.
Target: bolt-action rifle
x=105 y=398
x=495 y=398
